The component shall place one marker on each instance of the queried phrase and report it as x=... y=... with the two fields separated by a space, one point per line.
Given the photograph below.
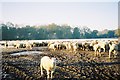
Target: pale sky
x=95 y=15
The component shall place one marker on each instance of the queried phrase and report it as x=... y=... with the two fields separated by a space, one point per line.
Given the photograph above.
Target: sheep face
x=53 y=61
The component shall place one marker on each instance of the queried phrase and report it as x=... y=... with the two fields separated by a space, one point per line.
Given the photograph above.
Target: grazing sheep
x=69 y=46
x=113 y=48
x=49 y=64
x=86 y=46
x=17 y=45
x=52 y=46
x=74 y=46
x=61 y=46
x=79 y=45
x=103 y=45
x=96 y=48
x=28 y=45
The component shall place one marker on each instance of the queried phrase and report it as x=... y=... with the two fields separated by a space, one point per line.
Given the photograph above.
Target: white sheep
x=74 y=45
x=68 y=45
x=51 y=46
x=96 y=48
x=103 y=45
x=113 y=48
x=49 y=64
x=17 y=45
x=28 y=45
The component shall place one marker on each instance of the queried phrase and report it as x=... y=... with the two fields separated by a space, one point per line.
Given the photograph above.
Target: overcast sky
x=95 y=15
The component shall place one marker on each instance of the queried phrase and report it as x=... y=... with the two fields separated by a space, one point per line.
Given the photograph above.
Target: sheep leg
x=103 y=49
x=41 y=70
x=99 y=53
x=115 y=53
x=95 y=53
x=52 y=74
x=109 y=53
x=48 y=74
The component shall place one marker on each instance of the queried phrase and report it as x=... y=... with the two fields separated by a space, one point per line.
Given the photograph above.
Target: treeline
x=11 y=31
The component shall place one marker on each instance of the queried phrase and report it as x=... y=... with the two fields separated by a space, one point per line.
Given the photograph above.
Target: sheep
x=61 y=46
x=49 y=64
x=113 y=48
x=86 y=46
x=68 y=46
x=28 y=45
x=83 y=45
x=6 y=44
x=74 y=46
x=79 y=45
x=91 y=45
x=96 y=48
x=52 y=46
x=17 y=45
x=103 y=45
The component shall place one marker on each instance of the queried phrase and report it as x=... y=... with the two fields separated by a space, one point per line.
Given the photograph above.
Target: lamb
x=49 y=64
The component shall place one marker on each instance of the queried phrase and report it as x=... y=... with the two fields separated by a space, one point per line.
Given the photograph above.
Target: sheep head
x=53 y=60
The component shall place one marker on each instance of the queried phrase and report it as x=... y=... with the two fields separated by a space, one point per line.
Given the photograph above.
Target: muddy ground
x=79 y=65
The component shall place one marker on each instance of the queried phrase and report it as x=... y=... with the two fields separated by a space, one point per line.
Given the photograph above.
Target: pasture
x=79 y=64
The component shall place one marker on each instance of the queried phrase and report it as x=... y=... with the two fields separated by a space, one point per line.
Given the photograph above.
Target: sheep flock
x=61 y=60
